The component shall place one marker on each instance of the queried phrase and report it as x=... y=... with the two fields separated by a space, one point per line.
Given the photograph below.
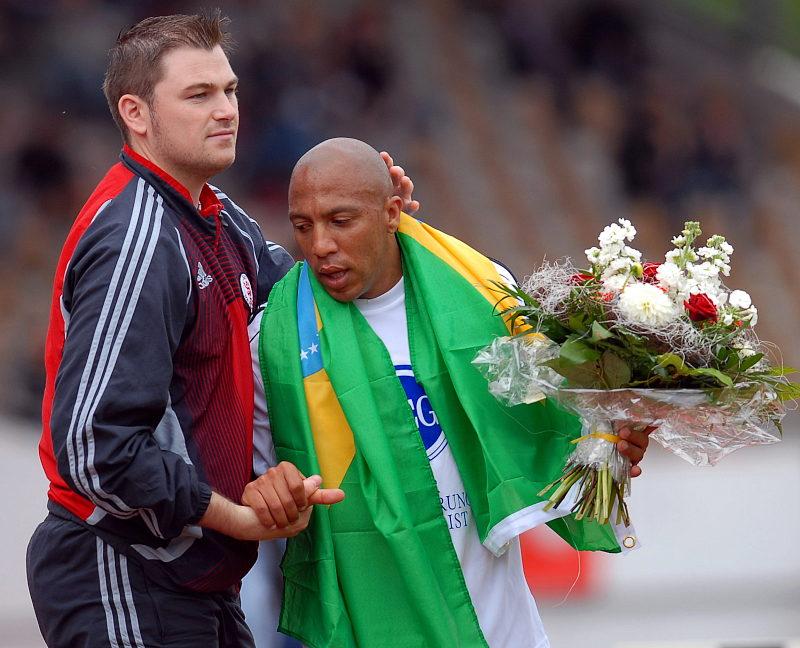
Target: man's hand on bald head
x=403 y=185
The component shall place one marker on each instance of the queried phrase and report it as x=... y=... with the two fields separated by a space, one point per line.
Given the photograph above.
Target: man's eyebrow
x=205 y=85
x=343 y=208
x=337 y=209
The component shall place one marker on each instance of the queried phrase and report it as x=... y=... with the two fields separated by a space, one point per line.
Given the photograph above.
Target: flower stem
x=567 y=482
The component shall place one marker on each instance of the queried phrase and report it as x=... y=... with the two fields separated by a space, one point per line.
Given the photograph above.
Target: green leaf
x=553 y=329
x=578 y=352
x=728 y=358
x=577 y=322
x=513 y=291
x=716 y=374
x=750 y=361
x=586 y=375
x=673 y=362
x=616 y=371
x=780 y=371
x=788 y=391
x=600 y=332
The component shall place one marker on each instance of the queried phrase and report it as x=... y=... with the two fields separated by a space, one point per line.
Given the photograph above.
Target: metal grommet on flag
x=629 y=542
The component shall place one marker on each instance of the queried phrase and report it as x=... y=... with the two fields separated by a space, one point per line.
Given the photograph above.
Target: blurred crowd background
x=527 y=126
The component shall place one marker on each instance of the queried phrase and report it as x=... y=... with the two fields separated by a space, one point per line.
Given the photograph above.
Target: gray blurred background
x=527 y=126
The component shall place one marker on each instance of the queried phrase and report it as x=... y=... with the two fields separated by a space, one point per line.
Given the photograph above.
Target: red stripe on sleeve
x=112 y=184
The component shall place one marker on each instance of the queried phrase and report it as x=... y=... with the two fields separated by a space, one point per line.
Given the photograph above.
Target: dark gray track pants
x=87 y=595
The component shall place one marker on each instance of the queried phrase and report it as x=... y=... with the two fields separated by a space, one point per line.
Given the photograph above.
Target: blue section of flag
x=426 y=419
x=310 y=353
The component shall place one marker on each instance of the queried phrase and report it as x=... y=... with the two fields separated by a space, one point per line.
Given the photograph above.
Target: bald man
x=384 y=314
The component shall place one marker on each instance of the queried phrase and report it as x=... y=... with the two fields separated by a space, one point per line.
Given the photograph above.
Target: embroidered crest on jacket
x=203 y=278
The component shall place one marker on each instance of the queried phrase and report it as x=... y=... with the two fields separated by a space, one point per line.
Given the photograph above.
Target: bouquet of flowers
x=660 y=344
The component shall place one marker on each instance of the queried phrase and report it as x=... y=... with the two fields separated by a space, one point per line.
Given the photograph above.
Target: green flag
x=379 y=569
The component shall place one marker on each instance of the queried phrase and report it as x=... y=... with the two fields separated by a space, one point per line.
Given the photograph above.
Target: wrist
x=224 y=516
x=204 y=499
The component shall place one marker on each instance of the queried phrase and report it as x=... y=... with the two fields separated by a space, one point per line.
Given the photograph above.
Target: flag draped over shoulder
x=379 y=569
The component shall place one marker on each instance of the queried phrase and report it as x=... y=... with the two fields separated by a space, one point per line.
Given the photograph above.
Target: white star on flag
x=313 y=348
x=304 y=355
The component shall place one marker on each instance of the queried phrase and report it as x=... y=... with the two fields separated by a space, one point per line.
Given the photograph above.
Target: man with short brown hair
x=135 y=62
x=148 y=405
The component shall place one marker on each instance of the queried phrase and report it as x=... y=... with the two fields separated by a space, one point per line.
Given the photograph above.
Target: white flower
x=614 y=283
x=715 y=290
x=724 y=268
x=746 y=349
x=627 y=228
x=617 y=234
x=670 y=276
x=647 y=305
x=631 y=253
x=620 y=264
x=703 y=271
x=740 y=299
x=727 y=318
x=669 y=273
x=614 y=256
x=679 y=241
x=610 y=236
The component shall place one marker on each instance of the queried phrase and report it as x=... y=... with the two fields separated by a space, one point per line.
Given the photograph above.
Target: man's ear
x=135 y=114
x=394 y=206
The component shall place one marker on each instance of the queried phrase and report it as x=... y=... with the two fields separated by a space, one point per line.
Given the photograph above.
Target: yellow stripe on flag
x=479 y=271
x=333 y=438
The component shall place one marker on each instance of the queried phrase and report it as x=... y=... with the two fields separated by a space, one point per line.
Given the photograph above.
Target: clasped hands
x=283 y=498
x=276 y=505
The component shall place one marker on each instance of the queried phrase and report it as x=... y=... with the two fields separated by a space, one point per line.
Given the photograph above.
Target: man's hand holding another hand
x=283 y=493
x=276 y=505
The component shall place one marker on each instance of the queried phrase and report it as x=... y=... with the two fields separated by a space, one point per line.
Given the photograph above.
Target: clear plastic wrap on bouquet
x=700 y=426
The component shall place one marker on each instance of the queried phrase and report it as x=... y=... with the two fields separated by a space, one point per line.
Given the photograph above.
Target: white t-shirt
x=500 y=595
x=263 y=447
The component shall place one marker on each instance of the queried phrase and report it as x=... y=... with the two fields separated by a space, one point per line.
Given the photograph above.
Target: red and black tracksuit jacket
x=149 y=397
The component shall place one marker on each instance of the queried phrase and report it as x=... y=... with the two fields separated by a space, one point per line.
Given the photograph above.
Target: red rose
x=649 y=271
x=701 y=308
x=581 y=278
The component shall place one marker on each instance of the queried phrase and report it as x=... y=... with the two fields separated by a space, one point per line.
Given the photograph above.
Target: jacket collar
x=210 y=206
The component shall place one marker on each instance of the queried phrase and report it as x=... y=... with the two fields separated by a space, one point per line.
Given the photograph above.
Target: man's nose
x=322 y=244
x=226 y=109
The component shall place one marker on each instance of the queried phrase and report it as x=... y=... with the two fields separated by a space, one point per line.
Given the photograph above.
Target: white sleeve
x=504 y=531
x=505 y=274
x=263 y=448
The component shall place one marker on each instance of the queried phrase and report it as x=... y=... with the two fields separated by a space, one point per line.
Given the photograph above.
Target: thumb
x=317 y=495
x=312 y=484
x=326 y=496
